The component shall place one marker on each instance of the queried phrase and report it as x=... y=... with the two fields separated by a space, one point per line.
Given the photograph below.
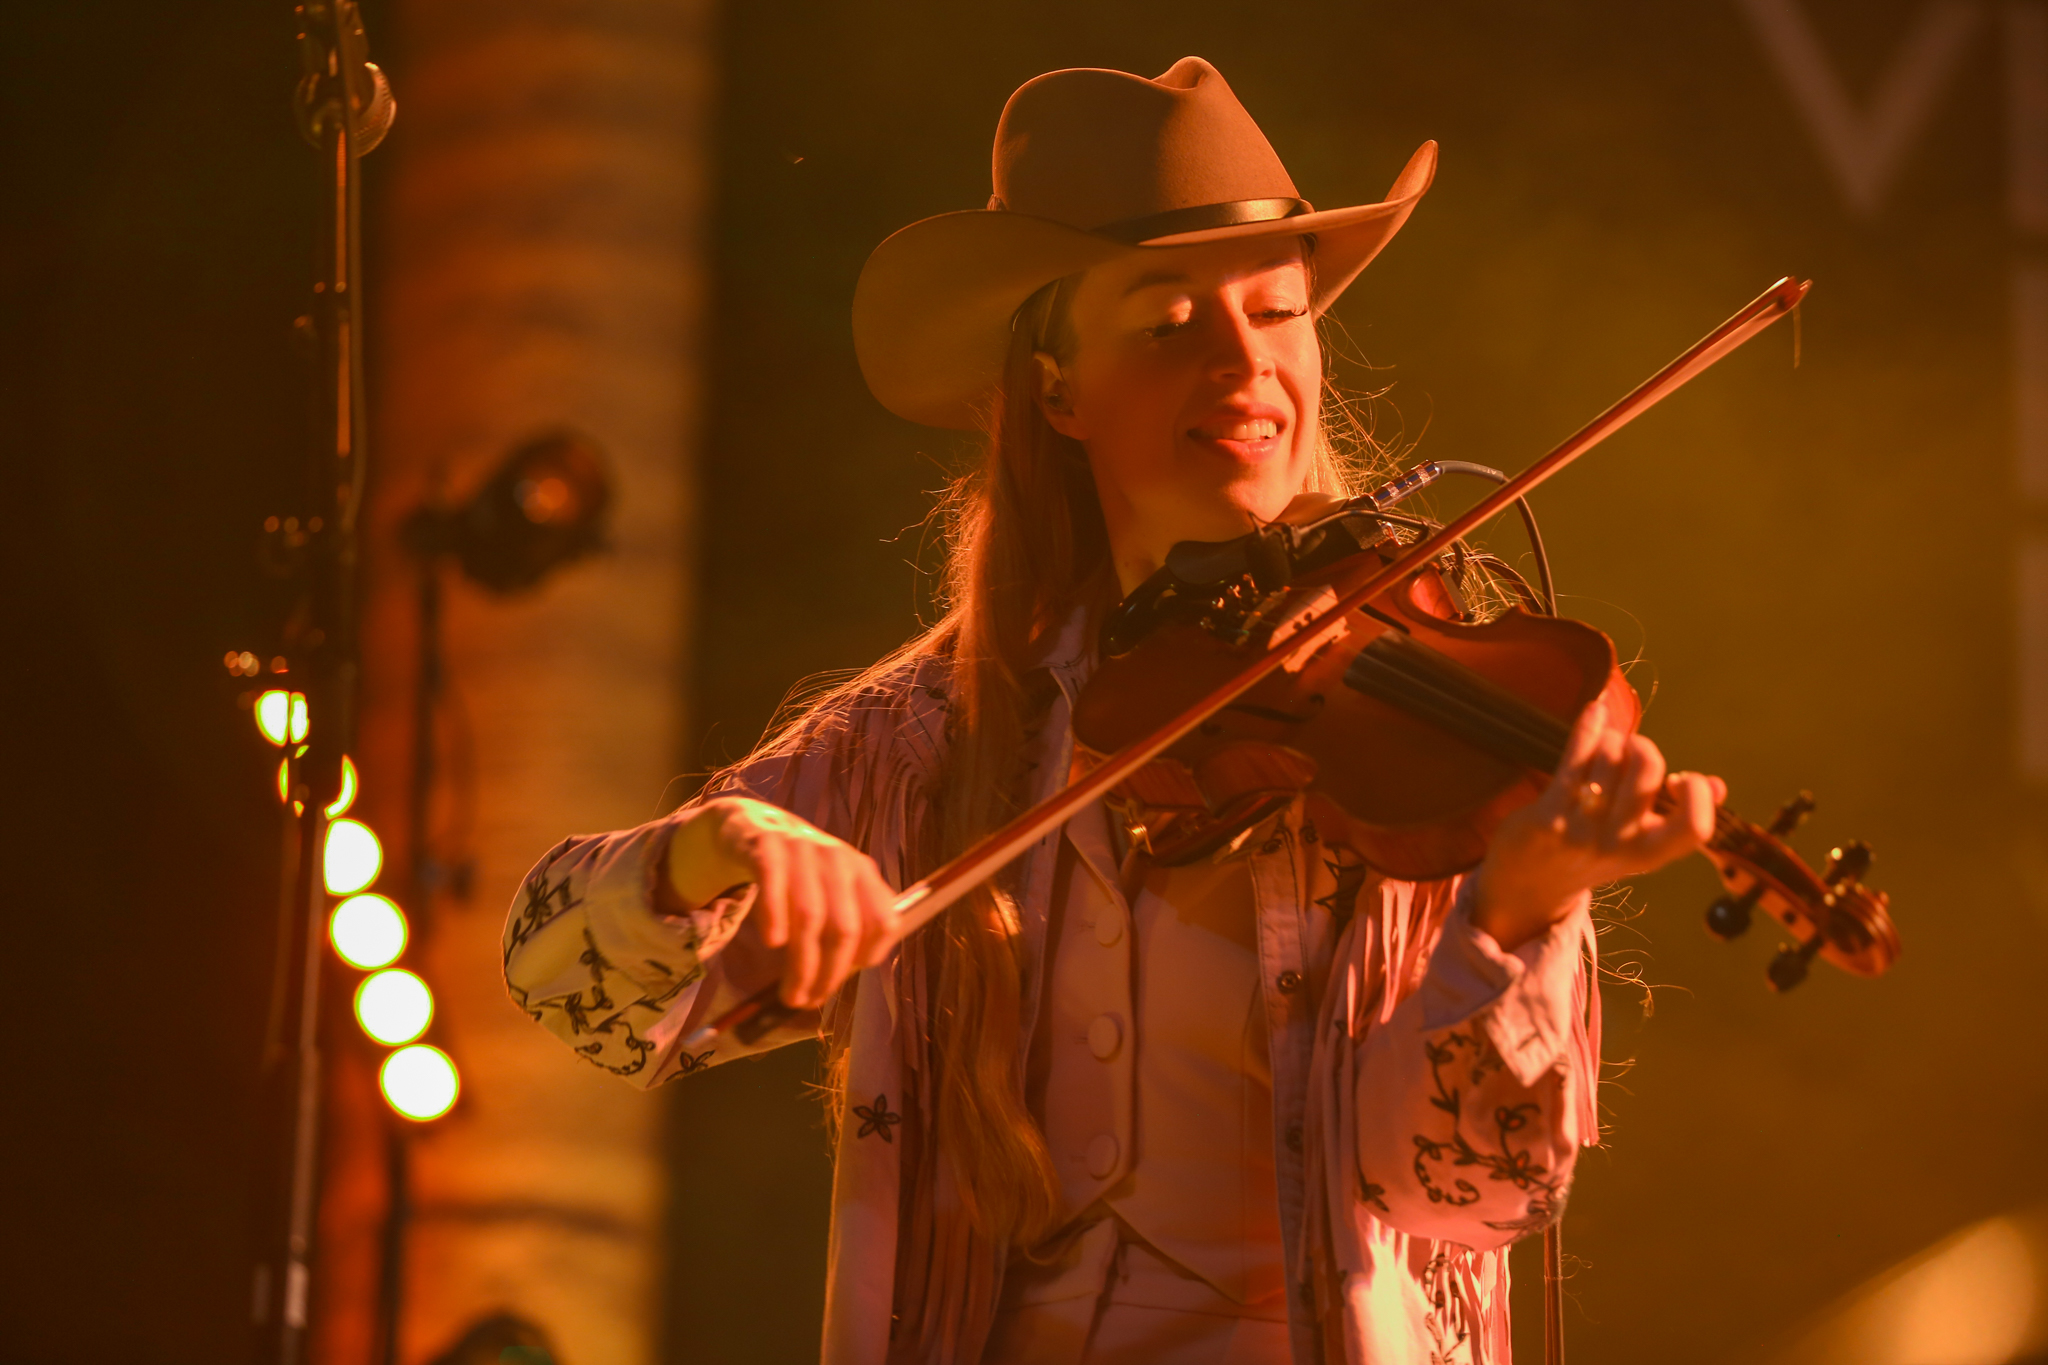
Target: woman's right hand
x=818 y=900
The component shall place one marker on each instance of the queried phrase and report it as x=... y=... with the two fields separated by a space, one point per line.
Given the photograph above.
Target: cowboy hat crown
x=1109 y=152
x=1089 y=165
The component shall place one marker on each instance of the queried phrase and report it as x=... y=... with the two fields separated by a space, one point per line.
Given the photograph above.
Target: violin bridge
x=1298 y=618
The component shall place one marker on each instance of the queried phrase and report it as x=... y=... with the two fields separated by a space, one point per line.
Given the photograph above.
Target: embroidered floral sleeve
x=1484 y=1077
x=589 y=957
x=622 y=974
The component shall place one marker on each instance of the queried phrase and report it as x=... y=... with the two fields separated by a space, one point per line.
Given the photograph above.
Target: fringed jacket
x=1430 y=1091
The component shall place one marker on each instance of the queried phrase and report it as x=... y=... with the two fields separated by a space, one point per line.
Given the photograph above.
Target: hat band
x=1202 y=217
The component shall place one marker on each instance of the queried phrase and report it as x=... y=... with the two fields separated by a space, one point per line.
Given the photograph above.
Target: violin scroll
x=1830 y=914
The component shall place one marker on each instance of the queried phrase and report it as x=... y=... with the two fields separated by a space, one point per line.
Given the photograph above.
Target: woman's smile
x=1251 y=433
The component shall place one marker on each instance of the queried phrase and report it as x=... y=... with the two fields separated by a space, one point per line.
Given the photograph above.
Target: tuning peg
x=1788 y=968
x=1791 y=815
x=1728 y=917
x=1847 y=863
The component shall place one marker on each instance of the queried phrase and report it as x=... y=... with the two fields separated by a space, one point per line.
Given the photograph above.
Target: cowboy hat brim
x=932 y=311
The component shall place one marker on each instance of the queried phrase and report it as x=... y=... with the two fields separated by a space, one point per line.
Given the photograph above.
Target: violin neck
x=1730 y=829
x=1725 y=820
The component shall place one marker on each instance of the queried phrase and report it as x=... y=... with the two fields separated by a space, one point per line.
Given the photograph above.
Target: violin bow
x=925 y=898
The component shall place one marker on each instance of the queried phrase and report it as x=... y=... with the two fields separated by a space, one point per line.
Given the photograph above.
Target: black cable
x=1487 y=472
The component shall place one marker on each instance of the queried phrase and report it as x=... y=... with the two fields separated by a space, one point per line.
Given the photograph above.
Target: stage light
x=300 y=722
x=347 y=797
x=419 y=1082
x=353 y=857
x=394 y=1006
x=368 y=931
x=543 y=507
x=273 y=715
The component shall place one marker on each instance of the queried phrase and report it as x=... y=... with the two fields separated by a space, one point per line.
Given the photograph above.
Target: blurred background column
x=538 y=266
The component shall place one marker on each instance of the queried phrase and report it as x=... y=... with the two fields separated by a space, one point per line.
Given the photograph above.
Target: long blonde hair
x=1024 y=546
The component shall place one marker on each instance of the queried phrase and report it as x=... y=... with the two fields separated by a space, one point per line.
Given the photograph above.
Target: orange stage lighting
x=420 y=1082
x=353 y=857
x=273 y=715
x=347 y=795
x=368 y=931
x=394 y=1006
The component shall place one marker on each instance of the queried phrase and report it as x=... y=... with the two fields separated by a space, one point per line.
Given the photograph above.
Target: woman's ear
x=1055 y=399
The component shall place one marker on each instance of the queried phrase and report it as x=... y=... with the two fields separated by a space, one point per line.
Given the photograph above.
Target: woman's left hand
x=1595 y=823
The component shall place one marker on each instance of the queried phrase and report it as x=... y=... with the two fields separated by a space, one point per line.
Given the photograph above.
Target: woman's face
x=1195 y=383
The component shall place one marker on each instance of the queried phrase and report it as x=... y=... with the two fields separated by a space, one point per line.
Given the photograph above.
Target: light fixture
x=353 y=857
x=419 y=1082
x=544 y=506
x=394 y=1006
x=368 y=931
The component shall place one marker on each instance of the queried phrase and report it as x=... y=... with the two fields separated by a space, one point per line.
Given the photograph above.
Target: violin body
x=1416 y=801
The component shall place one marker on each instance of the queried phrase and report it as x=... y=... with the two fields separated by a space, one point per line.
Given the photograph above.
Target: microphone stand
x=343 y=107
x=425 y=877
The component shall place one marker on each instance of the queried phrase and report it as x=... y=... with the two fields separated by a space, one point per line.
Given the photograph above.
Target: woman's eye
x=1177 y=316
x=1179 y=323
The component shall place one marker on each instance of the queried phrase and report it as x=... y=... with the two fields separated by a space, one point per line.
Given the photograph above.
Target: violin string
x=1434 y=687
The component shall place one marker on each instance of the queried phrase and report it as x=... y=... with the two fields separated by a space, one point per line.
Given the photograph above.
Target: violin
x=1411 y=727
x=1321 y=656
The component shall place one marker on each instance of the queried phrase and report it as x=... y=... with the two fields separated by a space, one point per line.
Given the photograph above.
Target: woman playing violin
x=1267 y=1106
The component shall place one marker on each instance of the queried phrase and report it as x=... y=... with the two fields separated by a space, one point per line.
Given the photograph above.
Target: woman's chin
x=1241 y=506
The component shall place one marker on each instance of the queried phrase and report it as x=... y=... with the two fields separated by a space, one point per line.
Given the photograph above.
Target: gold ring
x=1592 y=796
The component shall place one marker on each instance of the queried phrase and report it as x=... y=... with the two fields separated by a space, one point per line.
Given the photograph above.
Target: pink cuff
x=1526 y=997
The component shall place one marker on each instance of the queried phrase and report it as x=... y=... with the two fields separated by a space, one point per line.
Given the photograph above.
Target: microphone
x=374 y=122
x=334 y=54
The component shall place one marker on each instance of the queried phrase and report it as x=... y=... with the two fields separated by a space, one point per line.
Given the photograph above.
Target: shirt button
x=1102 y=1154
x=1293 y=1137
x=1109 y=925
x=1105 y=1036
x=1290 y=981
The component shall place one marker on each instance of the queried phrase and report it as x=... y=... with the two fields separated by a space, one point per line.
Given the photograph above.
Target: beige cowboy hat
x=1090 y=165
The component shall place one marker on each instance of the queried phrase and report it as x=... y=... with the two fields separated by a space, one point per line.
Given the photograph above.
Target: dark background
x=157 y=237
x=1814 y=566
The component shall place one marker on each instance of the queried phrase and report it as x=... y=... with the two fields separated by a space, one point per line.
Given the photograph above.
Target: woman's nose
x=1239 y=351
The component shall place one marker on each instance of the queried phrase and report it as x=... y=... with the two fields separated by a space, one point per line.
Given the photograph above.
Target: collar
x=1069 y=652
